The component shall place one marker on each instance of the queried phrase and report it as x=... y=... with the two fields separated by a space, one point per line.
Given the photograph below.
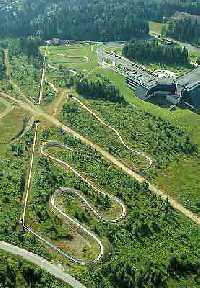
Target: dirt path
x=7 y=65
x=58 y=210
x=134 y=151
x=37 y=112
x=42 y=78
x=58 y=103
x=28 y=185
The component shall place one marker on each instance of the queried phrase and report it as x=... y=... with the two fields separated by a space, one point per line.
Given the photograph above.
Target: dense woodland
x=155 y=52
x=88 y=20
x=72 y=19
x=14 y=272
x=149 y=249
x=2 y=68
x=28 y=47
x=185 y=27
x=100 y=88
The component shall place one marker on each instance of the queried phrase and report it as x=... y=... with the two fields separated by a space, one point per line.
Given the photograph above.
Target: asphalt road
x=53 y=269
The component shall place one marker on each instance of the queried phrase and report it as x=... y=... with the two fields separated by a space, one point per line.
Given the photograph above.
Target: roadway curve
x=58 y=210
x=53 y=269
x=39 y=113
x=6 y=112
x=117 y=133
x=149 y=160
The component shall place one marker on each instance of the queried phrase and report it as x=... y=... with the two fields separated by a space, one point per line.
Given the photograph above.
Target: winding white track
x=148 y=158
x=59 y=210
x=53 y=205
x=34 y=110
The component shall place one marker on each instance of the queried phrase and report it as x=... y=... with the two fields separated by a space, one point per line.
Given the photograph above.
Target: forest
x=88 y=20
x=162 y=245
x=74 y=19
x=154 y=51
x=185 y=27
x=2 y=68
x=100 y=88
x=15 y=272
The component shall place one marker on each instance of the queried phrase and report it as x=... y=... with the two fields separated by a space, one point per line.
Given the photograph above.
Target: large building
x=147 y=84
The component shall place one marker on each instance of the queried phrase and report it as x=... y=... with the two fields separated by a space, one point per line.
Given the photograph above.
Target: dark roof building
x=146 y=84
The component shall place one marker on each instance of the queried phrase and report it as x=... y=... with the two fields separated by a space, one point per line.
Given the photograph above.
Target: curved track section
x=58 y=210
x=149 y=160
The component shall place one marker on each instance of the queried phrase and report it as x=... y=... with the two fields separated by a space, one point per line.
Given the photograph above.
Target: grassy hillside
x=183 y=119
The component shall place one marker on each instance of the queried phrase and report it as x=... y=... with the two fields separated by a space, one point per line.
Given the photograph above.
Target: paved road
x=37 y=112
x=41 y=262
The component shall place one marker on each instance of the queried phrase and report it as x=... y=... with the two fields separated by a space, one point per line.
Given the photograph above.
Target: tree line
x=185 y=27
x=2 y=67
x=154 y=51
x=29 y=47
x=99 y=88
x=102 y=20
x=72 y=19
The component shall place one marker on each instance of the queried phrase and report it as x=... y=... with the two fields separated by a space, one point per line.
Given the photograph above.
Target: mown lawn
x=155 y=27
x=2 y=106
x=10 y=126
x=181 y=180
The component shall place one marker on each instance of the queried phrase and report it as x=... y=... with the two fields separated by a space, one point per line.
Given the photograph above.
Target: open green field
x=166 y=241
x=11 y=126
x=80 y=57
x=181 y=180
x=155 y=27
x=3 y=105
x=185 y=119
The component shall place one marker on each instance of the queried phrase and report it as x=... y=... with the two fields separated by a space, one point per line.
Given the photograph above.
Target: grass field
x=152 y=229
x=3 y=105
x=10 y=126
x=174 y=175
x=80 y=57
x=155 y=27
x=181 y=180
